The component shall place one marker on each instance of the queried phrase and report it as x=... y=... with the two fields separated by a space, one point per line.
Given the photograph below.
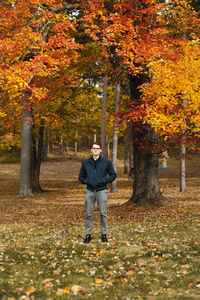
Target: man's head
x=96 y=150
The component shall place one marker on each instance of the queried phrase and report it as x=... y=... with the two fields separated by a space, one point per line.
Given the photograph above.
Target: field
x=152 y=253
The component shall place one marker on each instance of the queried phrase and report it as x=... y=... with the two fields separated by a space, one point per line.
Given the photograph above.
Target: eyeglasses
x=96 y=148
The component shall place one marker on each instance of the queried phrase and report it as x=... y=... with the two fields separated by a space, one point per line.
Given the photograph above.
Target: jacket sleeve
x=111 y=172
x=83 y=175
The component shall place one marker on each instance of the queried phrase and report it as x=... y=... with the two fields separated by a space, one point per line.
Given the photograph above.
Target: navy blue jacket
x=97 y=173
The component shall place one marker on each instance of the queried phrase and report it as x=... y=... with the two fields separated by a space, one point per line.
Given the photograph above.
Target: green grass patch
x=152 y=259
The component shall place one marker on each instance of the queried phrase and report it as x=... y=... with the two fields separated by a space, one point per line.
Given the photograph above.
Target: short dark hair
x=95 y=143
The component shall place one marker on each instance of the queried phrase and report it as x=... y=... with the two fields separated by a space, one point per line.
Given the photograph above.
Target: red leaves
x=37 y=43
x=131 y=28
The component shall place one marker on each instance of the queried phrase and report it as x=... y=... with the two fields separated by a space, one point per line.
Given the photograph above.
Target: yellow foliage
x=2 y=114
x=174 y=92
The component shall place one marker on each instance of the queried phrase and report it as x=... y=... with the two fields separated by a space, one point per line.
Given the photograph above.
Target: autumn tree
x=41 y=65
x=174 y=95
x=123 y=31
x=36 y=43
x=172 y=98
x=138 y=33
x=43 y=83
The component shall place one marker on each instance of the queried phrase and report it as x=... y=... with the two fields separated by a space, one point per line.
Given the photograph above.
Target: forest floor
x=152 y=253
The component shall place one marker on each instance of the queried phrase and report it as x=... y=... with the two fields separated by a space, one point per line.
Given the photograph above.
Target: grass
x=152 y=259
x=151 y=254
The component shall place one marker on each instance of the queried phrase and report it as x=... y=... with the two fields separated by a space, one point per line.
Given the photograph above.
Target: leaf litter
x=152 y=253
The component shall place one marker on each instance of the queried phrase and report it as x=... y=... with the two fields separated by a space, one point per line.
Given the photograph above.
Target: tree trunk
x=126 y=159
x=182 y=164
x=61 y=146
x=36 y=162
x=131 y=156
x=115 y=136
x=76 y=146
x=103 y=115
x=182 y=156
x=25 y=188
x=45 y=148
x=146 y=188
x=127 y=149
x=107 y=147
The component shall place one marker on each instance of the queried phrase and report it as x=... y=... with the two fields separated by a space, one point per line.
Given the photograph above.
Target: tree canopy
x=53 y=49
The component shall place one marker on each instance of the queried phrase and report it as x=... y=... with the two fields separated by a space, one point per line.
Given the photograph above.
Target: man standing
x=96 y=172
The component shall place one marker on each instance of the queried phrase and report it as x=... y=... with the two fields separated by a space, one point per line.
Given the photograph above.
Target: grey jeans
x=90 y=198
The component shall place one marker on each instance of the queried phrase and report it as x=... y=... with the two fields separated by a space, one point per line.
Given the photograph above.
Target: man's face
x=96 y=150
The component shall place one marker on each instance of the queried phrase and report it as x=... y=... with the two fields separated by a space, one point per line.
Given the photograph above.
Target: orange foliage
x=36 y=44
x=165 y=38
x=39 y=53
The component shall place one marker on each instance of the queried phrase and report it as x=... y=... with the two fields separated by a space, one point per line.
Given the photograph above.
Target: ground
x=152 y=253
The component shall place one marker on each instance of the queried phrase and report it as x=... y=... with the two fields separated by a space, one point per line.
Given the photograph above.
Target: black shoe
x=104 y=238
x=87 y=238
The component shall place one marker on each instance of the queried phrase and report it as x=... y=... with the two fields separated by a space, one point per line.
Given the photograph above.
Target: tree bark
x=115 y=136
x=25 y=188
x=103 y=115
x=126 y=159
x=146 y=188
x=45 y=148
x=182 y=156
x=182 y=164
x=126 y=150
x=36 y=161
x=76 y=145
x=131 y=156
x=107 y=147
x=61 y=146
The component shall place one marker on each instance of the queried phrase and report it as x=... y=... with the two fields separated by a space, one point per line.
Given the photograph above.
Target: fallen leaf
x=57 y=272
x=66 y=291
x=30 y=290
x=76 y=288
x=59 y=292
x=80 y=271
x=191 y=283
x=123 y=280
x=185 y=266
x=99 y=281
x=100 y=253
x=119 y=264
x=47 y=280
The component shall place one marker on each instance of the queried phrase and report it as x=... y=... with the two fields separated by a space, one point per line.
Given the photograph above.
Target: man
x=96 y=172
